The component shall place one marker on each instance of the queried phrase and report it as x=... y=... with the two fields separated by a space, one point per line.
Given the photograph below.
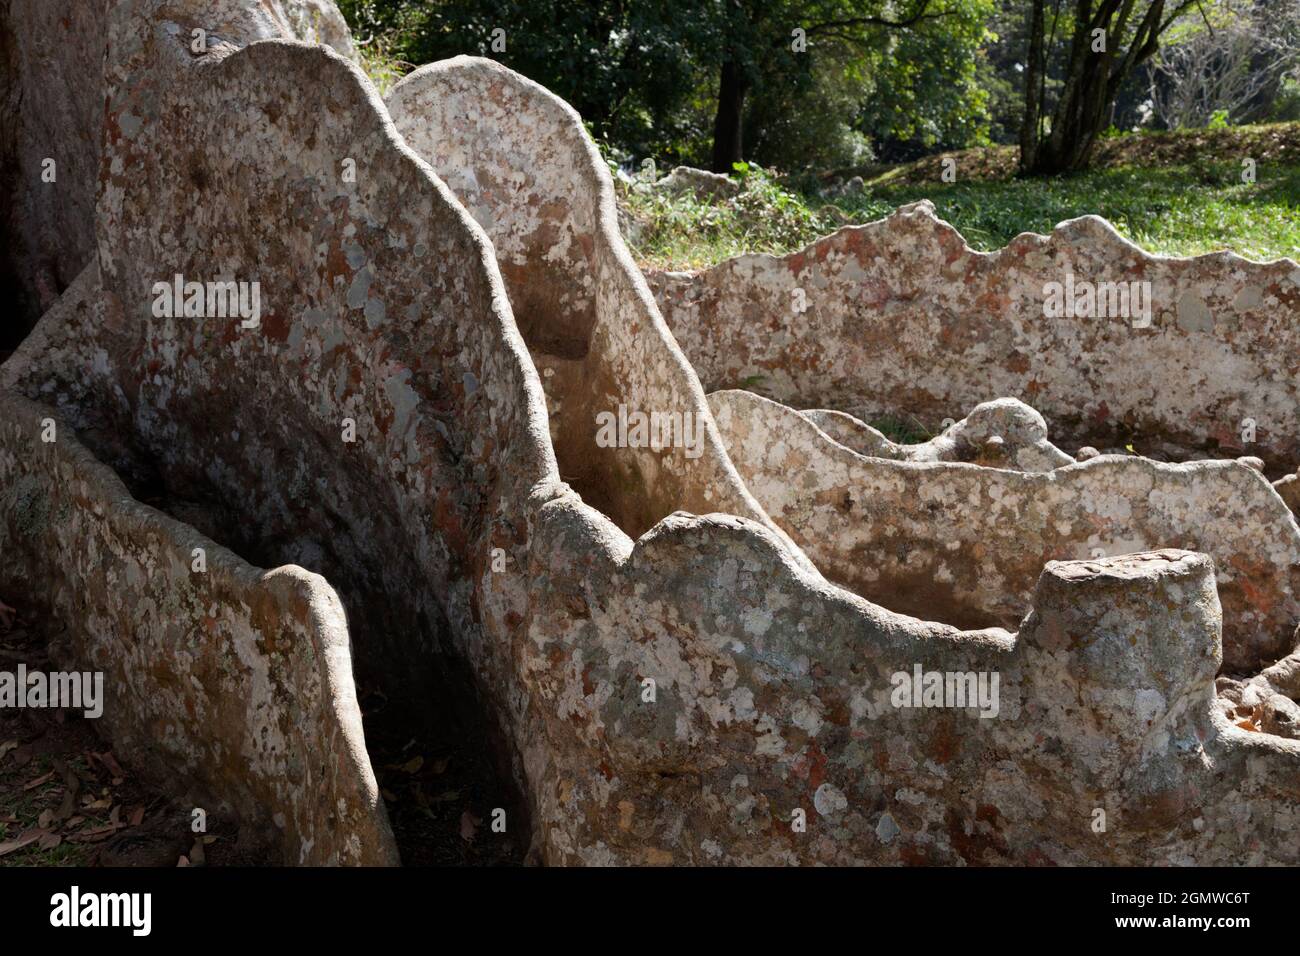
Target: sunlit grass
x=1184 y=209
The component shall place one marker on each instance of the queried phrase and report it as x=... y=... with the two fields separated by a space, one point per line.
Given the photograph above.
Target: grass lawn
x=1172 y=193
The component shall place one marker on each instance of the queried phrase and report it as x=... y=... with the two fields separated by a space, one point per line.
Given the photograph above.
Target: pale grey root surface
x=690 y=652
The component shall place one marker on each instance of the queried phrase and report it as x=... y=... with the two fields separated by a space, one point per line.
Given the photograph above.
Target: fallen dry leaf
x=137 y=816
x=468 y=824
x=33 y=784
x=31 y=836
x=68 y=806
x=114 y=768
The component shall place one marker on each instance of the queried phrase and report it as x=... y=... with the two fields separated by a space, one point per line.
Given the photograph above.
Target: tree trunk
x=1033 y=105
x=1091 y=85
x=728 y=146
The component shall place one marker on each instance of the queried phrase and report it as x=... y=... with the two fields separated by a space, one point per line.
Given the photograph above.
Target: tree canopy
x=800 y=84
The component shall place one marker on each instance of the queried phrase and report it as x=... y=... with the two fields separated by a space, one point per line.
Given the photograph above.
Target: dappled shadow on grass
x=1181 y=210
x=1279 y=186
x=1276 y=144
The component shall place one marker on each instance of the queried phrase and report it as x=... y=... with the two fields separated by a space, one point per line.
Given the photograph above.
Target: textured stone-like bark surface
x=520 y=161
x=785 y=703
x=1267 y=701
x=699 y=183
x=315 y=21
x=965 y=544
x=1001 y=434
x=1119 y=657
x=682 y=696
x=250 y=421
x=232 y=686
x=51 y=59
x=904 y=319
x=1288 y=487
x=51 y=102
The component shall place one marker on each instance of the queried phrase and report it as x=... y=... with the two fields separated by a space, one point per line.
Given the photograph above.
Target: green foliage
x=382 y=65
x=861 y=82
x=378 y=28
x=905 y=430
x=684 y=231
x=999 y=69
x=1286 y=107
x=812 y=124
x=645 y=73
x=630 y=69
x=924 y=86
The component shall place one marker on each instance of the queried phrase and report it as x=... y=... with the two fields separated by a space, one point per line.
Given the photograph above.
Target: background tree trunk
x=728 y=142
x=1091 y=84
x=1033 y=104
